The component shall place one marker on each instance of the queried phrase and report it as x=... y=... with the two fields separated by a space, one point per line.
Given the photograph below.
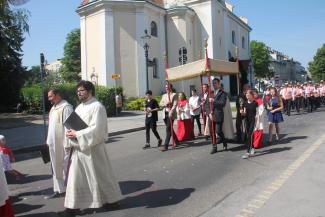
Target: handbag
x=45 y=153
x=257 y=139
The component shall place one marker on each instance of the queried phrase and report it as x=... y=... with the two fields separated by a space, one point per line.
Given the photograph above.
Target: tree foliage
x=71 y=62
x=32 y=76
x=261 y=59
x=317 y=66
x=13 y=23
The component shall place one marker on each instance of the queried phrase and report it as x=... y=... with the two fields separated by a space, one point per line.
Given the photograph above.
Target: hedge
x=138 y=103
x=32 y=97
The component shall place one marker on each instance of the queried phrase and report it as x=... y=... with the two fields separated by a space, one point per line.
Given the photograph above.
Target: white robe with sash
x=91 y=181
x=56 y=140
x=228 y=126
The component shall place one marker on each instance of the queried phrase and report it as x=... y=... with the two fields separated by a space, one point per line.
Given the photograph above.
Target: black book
x=74 y=122
x=45 y=153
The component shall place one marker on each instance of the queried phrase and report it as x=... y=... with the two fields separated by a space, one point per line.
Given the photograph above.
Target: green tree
x=13 y=23
x=71 y=62
x=261 y=60
x=317 y=65
x=32 y=76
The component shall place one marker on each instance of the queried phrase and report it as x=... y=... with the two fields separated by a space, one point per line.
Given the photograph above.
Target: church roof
x=157 y=2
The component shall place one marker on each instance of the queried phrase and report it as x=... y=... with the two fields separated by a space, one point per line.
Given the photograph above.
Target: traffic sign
x=116 y=76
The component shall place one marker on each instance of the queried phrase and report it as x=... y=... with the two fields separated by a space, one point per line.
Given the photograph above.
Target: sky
x=293 y=27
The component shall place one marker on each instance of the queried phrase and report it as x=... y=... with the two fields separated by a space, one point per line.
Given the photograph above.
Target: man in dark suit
x=218 y=100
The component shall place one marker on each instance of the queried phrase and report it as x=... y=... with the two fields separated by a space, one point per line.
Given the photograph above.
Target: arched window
x=233 y=37
x=243 y=42
x=153 y=27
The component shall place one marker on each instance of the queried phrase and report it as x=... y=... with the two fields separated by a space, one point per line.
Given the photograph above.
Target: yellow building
x=112 y=32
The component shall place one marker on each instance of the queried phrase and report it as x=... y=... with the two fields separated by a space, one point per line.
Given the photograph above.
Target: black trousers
x=153 y=126
x=249 y=134
x=288 y=106
x=197 y=118
x=298 y=103
x=310 y=103
x=168 y=132
x=239 y=128
x=218 y=130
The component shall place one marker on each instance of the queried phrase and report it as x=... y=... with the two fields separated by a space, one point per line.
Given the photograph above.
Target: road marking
x=261 y=199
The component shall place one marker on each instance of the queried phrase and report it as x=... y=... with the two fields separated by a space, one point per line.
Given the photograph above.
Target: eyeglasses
x=81 y=90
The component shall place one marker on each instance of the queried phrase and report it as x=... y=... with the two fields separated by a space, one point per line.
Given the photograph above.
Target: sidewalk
x=30 y=133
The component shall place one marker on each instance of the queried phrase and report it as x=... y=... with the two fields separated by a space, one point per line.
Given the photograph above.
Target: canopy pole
x=238 y=80
x=202 y=106
x=169 y=102
x=207 y=68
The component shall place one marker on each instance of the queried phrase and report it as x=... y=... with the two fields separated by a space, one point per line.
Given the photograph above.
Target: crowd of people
x=216 y=113
x=81 y=167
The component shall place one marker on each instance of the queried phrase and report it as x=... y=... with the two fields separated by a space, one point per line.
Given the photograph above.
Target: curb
x=125 y=131
x=36 y=148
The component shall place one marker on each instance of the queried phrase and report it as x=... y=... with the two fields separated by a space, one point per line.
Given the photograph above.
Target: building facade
x=112 y=31
x=285 y=69
x=54 y=66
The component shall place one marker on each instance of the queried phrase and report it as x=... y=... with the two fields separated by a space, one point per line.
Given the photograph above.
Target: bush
x=107 y=97
x=138 y=103
x=32 y=97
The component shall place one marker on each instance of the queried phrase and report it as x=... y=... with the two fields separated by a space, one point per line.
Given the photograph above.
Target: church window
x=233 y=37
x=243 y=41
x=153 y=27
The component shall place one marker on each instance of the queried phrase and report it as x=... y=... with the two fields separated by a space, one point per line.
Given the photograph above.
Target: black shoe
x=69 y=213
x=214 y=150
x=112 y=206
x=146 y=146
x=54 y=195
x=159 y=142
x=207 y=138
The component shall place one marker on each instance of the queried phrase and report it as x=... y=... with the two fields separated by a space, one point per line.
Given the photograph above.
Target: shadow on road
x=128 y=187
x=27 y=156
x=271 y=151
x=47 y=214
x=27 y=179
x=290 y=139
x=113 y=139
x=159 y=198
x=46 y=191
x=22 y=207
x=152 y=199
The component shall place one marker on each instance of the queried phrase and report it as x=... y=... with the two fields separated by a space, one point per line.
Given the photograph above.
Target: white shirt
x=194 y=103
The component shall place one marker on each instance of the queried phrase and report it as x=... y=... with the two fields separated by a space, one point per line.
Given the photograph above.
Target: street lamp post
x=42 y=72
x=146 y=39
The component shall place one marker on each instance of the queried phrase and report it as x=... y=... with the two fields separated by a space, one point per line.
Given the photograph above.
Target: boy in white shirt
x=195 y=110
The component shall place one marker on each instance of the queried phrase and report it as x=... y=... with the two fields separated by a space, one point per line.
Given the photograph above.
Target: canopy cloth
x=197 y=68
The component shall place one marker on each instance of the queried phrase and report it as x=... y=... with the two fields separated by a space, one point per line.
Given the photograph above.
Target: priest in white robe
x=91 y=181
x=228 y=126
x=56 y=140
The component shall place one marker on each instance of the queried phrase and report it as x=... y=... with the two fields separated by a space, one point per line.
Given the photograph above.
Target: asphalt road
x=189 y=182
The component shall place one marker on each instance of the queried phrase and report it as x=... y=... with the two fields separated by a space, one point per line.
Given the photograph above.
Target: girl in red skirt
x=184 y=123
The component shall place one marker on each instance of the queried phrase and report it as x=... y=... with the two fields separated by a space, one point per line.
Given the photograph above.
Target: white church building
x=112 y=41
